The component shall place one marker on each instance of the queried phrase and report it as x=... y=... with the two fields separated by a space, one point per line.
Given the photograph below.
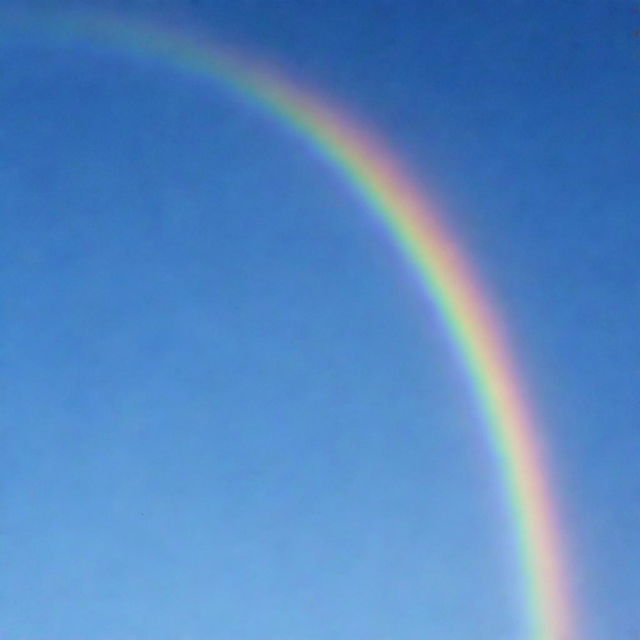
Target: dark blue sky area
x=227 y=413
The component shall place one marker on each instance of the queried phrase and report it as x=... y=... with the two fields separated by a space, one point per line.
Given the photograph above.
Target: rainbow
x=421 y=237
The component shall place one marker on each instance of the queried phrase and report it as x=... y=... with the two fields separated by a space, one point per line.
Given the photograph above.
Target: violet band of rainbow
x=445 y=276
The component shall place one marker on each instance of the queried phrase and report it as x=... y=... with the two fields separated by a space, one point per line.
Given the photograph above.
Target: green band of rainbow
x=444 y=275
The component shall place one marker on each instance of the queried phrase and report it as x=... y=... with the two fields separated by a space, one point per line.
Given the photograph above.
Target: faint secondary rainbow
x=444 y=275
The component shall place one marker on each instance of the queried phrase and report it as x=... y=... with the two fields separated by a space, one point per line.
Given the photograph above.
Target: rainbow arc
x=421 y=236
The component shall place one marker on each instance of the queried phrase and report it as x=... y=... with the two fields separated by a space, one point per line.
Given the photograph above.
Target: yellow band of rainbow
x=443 y=272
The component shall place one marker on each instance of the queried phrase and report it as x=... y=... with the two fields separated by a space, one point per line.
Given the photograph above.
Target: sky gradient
x=250 y=406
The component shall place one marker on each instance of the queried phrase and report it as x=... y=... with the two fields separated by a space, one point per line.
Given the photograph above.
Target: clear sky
x=226 y=411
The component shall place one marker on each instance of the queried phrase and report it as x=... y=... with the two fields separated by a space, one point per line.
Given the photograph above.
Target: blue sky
x=226 y=411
